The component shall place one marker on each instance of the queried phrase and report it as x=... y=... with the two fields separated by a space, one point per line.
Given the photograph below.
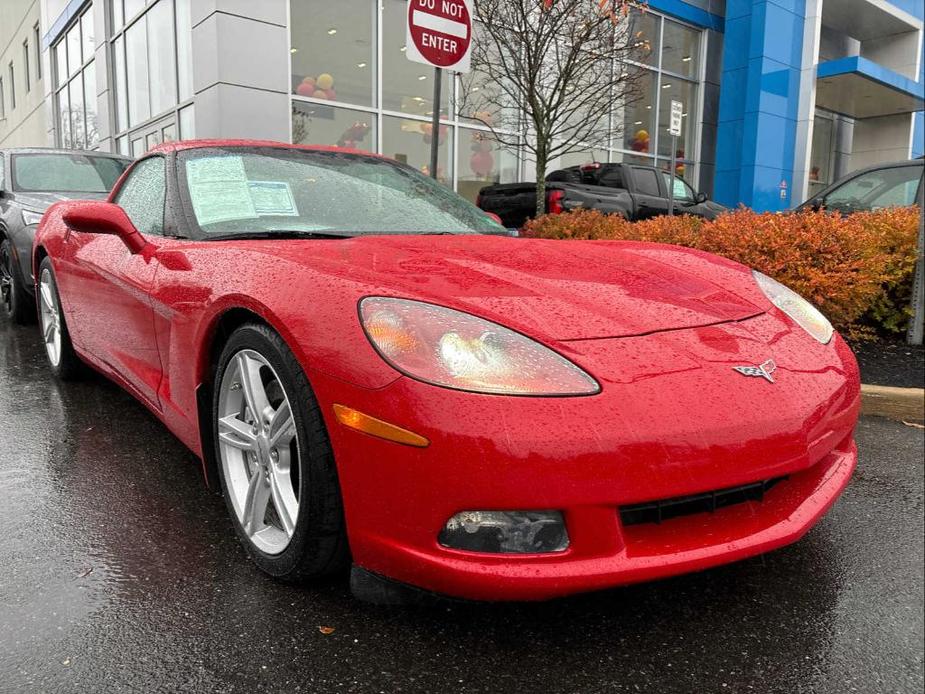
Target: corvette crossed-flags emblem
x=761 y=371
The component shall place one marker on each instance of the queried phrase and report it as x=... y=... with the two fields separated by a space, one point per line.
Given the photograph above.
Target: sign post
x=674 y=129
x=439 y=33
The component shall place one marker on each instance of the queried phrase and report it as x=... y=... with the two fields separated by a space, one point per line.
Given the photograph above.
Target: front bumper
x=653 y=433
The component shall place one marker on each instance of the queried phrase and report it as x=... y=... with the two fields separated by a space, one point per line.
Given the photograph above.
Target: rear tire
x=64 y=362
x=18 y=304
x=275 y=460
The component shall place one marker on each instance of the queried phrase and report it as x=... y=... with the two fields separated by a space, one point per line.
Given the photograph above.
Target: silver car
x=31 y=180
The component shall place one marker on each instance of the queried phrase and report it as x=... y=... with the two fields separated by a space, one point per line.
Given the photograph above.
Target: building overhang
x=861 y=88
x=865 y=20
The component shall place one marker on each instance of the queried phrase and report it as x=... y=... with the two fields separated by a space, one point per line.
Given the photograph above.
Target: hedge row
x=858 y=269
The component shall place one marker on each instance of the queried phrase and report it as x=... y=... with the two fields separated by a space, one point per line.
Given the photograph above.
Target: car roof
x=58 y=150
x=183 y=145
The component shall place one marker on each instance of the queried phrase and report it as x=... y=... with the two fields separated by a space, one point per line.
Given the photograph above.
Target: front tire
x=64 y=362
x=275 y=460
x=17 y=303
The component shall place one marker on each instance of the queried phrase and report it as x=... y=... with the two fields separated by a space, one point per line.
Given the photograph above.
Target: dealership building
x=780 y=97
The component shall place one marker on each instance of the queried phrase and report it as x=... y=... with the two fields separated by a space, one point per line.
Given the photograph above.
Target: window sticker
x=272 y=198
x=218 y=189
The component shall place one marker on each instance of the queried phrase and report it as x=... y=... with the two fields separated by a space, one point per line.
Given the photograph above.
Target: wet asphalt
x=119 y=571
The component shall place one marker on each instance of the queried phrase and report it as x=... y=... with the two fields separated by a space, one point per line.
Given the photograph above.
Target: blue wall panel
x=758 y=105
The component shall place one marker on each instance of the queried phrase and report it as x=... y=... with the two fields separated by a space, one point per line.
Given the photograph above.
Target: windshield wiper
x=278 y=234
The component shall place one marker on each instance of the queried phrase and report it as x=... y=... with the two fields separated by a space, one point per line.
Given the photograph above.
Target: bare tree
x=546 y=74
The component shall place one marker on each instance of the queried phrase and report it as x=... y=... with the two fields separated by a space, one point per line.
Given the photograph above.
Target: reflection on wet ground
x=120 y=571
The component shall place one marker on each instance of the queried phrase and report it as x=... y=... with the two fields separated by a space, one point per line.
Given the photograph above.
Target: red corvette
x=374 y=371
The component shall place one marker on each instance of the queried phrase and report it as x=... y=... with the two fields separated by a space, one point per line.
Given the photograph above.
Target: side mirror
x=495 y=218
x=97 y=217
x=817 y=204
x=700 y=198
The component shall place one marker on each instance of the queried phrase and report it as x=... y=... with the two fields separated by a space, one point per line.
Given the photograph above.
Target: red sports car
x=374 y=371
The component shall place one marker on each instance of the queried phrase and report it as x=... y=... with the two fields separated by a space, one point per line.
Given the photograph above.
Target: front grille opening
x=707 y=502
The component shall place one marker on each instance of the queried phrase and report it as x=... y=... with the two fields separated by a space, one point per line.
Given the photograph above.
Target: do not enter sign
x=440 y=33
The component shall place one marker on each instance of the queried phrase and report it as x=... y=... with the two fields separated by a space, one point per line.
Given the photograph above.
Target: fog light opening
x=511 y=532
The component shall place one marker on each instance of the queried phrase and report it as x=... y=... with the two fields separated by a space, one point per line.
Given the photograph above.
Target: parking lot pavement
x=119 y=571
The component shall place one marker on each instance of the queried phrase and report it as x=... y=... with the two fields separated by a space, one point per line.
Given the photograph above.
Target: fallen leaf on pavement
x=914 y=424
x=326 y=630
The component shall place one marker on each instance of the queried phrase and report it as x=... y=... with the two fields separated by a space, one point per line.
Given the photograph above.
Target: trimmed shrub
x=857 y=269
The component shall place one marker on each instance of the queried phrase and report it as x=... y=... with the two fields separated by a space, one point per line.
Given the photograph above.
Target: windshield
x=262 y=190
x=65 y=173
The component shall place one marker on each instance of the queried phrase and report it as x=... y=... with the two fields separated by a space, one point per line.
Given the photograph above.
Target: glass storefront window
x=93 y=130
x=75 y=118
x=643 y=30
x=74 y=58
x=409 y=141
x=118 y=19
x=407 y=87
x=133 y=7
x=340 y=40
x=680 y=49
x=75 y=90
x=320 y=124
x=152 y=66
x=60 y=63
x=686 y=92
x=589 y=156
x=118 y=49
x=480 y=100
x=187 y=120
x=820 y=155
x=635 y=120
x=162 y=64
x=333 y=50
x=136 y=60
x=483 y=161
x=86 y=36
x=64 y=118
x=184 y=50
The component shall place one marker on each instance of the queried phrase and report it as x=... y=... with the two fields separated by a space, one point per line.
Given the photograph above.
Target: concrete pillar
x=241 y=69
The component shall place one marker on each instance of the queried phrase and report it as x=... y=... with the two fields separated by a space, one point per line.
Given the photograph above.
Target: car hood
x=39 y=202
x=560 y=290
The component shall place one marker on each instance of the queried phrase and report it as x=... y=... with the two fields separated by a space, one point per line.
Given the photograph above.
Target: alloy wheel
x=259 y=451
x=50 y=317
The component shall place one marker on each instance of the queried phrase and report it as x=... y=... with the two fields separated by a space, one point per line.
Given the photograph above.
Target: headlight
x=799 y=309
x=457 y=350
x=30 y=217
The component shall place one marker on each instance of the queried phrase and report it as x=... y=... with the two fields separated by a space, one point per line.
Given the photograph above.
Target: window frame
x=12 y=74
x=63 y=83
x=37 y=40
x=26 y=71
x=118 y=24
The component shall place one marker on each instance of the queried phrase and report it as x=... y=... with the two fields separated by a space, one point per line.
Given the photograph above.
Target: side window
x=613 y=178
x=682 y=191
x=646 y=182
x=880 y=188
x=143 y=195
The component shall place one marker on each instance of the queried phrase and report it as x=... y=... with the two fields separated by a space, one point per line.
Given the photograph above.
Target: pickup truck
x=630 y=190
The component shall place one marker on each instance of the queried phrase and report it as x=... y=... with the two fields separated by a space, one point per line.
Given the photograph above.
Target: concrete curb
x=896 y=403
